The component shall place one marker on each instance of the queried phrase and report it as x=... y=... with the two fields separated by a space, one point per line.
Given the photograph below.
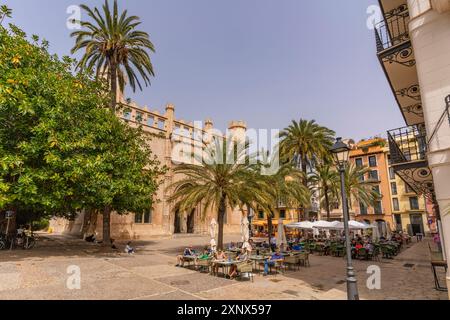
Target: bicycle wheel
x=29 y=243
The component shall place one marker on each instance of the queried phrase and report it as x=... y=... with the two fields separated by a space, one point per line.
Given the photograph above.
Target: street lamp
x=341 y=152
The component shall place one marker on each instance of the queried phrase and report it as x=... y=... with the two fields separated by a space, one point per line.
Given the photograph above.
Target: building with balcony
x=413 y=47
x=409 y=210
x=400 y=207
x=373 y=154
x=287 y=215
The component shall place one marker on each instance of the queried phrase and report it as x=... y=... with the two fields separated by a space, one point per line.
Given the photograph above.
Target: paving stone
x=150 y=274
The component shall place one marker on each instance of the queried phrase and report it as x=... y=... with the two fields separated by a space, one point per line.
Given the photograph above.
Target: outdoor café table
x=189 y=259
x=225 y=265
x=258 y=259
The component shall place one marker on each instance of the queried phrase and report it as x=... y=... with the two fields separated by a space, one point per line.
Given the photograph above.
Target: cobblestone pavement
x=42 y=273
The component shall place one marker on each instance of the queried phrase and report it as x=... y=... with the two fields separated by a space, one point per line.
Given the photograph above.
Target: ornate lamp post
x=341 y=153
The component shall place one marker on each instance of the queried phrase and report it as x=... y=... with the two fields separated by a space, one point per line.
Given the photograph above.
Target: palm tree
x=306 y=142
x=358 y=188
x=284 y=186
x=215 y=182
x=114 y=48
x=326 y=179
x=5 y=12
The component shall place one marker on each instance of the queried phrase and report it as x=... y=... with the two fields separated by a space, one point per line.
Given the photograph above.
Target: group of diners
x=233 y=258
x=362 y=247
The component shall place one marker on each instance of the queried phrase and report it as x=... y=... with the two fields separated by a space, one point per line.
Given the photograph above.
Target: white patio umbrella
x=352 y=224
x=357 y=225
x=212 y=232
x=307 y=225
x=281 y=235
x=375 y=232
x=245 y=232
x=388 y=230
x=321 y=224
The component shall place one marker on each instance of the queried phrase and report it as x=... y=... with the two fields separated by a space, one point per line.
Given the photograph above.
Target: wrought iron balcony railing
x=393 y=30
x=408 y=144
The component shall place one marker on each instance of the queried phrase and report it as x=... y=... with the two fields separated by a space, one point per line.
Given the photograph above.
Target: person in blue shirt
x=189 y=251
x=277 y=256
x=231 y=246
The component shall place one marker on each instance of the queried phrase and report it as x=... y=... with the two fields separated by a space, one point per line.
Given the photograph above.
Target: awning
x=337 y=225
x=301 y=225
x=274 y=222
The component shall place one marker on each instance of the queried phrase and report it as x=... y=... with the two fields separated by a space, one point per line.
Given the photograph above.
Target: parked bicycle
x=24 y=239
x=3 y=242
x=27 y=240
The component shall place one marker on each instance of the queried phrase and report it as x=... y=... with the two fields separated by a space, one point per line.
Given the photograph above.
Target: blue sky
x=263 y=61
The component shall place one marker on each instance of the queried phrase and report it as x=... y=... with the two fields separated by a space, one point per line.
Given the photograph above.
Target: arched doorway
x=191 y=222
x=177 y=222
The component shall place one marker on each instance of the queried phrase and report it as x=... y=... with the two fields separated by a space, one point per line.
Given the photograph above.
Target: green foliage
x=217 y=183
x=41 y=224
x=327 y=181
x=307 y=141
x=113 y=47
x=5 y=12
x=60 y=149
x=357 y=189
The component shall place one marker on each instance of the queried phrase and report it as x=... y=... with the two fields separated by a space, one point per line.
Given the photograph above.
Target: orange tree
x=61 y=151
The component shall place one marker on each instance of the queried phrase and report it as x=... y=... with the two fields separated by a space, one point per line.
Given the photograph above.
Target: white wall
x=430 y=36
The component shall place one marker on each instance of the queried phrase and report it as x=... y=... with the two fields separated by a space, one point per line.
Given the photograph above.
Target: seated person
x=231 y=246
x=358 y=246
x=204 y=256
x=247 y=247
x=20 y=231
x=187 y=252
x=243 y=256
x=369 y=246
x=128 y=248
x=90 y=238
x=113 y=245
x=272 y=260
x=220 y=256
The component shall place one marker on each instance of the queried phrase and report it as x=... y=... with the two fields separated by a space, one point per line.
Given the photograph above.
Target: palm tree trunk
x=250 y=218
x=107 y=209
x=113 y=77
x=106 y=225
x=221 y=216
x=305 y=182
x=327 y=204
x=86 y=222
x=270 y=228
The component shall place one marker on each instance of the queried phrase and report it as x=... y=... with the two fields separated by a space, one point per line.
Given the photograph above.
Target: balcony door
x=416 y=224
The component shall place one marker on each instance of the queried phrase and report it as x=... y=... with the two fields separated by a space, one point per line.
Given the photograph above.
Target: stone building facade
x=164 y=132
